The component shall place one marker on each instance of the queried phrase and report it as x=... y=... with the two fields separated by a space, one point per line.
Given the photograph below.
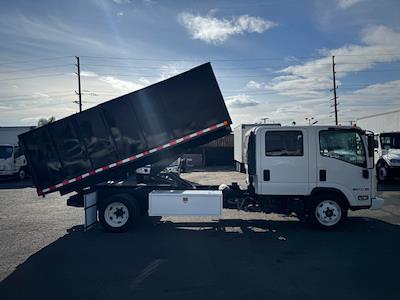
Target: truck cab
x=387 y=155
x=12 y=162
x=312 y=170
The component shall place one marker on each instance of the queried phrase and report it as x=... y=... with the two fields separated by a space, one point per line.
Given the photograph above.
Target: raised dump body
x=158 y=122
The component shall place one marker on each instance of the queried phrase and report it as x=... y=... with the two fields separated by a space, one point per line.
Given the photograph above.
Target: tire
x=382 y=172
x=328 y=211
x=21 y=174
x=118 y=213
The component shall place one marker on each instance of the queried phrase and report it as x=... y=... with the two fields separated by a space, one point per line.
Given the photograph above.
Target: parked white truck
x=386 y=127
x=387 y=153
x=12 y=160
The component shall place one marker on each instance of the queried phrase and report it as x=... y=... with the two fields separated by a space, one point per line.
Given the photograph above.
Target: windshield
x=6 y=152
x=390 y=140
x=345 y=145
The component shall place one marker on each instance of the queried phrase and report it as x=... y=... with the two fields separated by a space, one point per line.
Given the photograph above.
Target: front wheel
x=118 y=213
x=328 y=212
x=382 y=173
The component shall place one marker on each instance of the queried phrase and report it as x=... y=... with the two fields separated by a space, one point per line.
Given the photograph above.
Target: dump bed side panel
x=126 y=132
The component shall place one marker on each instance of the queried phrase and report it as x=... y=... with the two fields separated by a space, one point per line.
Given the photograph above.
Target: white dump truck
x=315 y=172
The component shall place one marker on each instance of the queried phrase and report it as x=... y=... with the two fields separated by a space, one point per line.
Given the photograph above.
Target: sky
x=272 y=59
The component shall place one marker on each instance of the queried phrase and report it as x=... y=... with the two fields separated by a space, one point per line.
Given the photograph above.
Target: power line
x=233 y=59
x=34 y=60
x=38 y=68
x=37 y=95
x=32 y=77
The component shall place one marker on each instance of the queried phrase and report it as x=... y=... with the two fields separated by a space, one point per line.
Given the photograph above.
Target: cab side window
x=17 y=152
x=345 y=145
x=386 y=142
x=284 y=143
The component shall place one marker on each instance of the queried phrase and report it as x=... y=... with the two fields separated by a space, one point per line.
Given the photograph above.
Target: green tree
x=44 y=121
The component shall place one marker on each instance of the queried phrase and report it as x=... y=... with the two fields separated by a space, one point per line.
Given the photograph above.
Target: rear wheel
x=328 y=211
x=119 y=212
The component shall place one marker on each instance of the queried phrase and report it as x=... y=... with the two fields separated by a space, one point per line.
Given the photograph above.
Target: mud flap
x=90 y=205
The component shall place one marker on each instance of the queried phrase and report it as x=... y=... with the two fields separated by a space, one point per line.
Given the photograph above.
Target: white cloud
x=175 y=68
x=213 y=30
x=120 y=14
x=37 y=31
x=145 y=81
x=122 y=85
x=254 y=85
x=374 y=94
x=122 y=1
x=32 y=120
x=115 y=83
x=168 y=71
x=304 y=89
x=149 y=2
x=313 y=78
x=381 y=89
x=240 y=101
x=348 y=3
x=89 y=74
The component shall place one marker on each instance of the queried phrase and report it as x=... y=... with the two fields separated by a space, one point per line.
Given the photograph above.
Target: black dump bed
x=157 y=122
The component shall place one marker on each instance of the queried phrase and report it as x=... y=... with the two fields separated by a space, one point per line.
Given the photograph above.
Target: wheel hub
x=119 y=212
x=328 y=212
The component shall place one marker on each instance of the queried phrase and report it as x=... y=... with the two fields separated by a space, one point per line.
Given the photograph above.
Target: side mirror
x=371 y=145
x=376 y=145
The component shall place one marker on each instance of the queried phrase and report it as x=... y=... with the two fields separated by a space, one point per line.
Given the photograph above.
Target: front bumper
x=377 y=203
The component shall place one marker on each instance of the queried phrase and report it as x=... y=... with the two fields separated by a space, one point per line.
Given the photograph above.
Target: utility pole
x=334 y=89
x=79 y=84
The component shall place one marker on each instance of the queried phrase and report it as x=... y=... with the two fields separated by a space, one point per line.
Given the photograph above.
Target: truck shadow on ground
x=230 y=258
x=390 y=186
x=14 y=183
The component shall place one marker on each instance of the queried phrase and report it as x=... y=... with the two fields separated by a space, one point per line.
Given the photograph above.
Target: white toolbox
x=185 y=203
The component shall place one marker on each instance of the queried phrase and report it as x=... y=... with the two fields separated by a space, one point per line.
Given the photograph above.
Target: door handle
x=266 y=175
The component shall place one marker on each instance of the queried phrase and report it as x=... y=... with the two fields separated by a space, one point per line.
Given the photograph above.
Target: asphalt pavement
x=46 y=254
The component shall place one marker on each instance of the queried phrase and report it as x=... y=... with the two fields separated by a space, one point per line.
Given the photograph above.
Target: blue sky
x=271 y=58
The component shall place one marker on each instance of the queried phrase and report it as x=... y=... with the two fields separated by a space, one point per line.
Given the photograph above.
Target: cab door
x=342 y=164
x=284 y=162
